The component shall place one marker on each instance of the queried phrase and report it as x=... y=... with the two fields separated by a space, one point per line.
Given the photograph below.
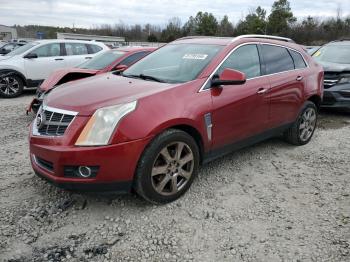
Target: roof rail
x=202 y=36
x=340 y=40
x=285 y=39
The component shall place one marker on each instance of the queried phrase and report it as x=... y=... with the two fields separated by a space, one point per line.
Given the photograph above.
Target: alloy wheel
x=9 y=85
x=172 y=168
x=307 y=124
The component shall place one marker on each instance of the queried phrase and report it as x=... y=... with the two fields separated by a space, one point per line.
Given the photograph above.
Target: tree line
x=280 y=21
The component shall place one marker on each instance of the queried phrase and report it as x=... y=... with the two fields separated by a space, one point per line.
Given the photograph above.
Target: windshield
x=2 y=44
x=21 y=49
x=102 y=60
x=339 y=54
x=174 y=63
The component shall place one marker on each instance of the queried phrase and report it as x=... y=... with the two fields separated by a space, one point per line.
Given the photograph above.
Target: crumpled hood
x=333 y=67
x=87 y=95
x=57 y=75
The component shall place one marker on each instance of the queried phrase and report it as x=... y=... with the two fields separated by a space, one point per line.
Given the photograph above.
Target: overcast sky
x=85 y=13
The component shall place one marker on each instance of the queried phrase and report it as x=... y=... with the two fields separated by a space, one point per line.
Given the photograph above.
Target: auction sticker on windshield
x=195 y=56
x=317 y=53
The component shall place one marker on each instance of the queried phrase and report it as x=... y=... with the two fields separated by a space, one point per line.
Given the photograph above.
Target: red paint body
x=237 y=111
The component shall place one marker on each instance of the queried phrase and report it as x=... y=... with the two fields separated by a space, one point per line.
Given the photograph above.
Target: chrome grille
x=330 y=82
x=330 y=79
x=52 y=121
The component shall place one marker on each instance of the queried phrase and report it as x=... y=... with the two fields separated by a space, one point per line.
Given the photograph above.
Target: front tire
x=11 y=86
x=167 y=167
x=301 y=132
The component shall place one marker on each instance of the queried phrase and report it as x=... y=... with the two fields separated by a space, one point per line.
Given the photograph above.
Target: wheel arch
x=316 y=99
x=195 y=134
x=187 y=126
x=15 y=72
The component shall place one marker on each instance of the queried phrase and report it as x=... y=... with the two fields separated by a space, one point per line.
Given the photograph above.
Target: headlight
x=102 y=124
x=344 y=80
x=41 y=96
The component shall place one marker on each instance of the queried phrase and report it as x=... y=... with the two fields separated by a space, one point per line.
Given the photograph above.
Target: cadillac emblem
x=40 y=120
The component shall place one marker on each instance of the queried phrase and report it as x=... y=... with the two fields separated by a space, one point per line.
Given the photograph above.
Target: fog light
x=84 y=171
x=81 y=171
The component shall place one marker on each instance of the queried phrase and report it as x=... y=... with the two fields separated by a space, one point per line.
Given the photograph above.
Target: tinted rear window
x=277 y=59
x=298 y=59
x=133 y=58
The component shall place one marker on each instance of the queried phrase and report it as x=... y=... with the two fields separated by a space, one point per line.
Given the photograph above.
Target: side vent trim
x=209 y=125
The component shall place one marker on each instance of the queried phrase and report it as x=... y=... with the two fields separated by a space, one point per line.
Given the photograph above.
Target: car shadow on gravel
x=81 y=200
x=94 y=200
x=333 y=119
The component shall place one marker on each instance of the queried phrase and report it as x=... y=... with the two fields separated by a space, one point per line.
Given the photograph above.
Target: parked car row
x=111 y=60
x=188 y=102
x=21 y=77
x=28 y=65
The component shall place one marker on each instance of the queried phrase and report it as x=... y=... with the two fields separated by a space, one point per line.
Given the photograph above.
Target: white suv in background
x=29 y=65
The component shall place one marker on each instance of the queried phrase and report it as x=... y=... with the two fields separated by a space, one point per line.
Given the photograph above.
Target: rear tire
x=11 y=86
x=167 y=167
x=301 y=132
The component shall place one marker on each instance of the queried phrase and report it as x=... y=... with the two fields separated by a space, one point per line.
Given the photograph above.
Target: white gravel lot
x=269 y=202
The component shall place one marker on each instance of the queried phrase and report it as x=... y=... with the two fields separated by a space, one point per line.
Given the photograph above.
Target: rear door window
x=277 y=59
x=298 y=60
x=76 y=49
x=245 y=59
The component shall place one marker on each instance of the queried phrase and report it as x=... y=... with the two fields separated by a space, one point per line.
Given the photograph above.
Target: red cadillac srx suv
x=188 y=102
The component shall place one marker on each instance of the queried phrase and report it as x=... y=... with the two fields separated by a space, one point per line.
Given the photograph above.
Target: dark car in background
x=7 y=48
x=111 y=60
x=335 y=59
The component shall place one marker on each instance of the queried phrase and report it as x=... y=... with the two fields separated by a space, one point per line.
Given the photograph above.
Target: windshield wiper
x=146 y=77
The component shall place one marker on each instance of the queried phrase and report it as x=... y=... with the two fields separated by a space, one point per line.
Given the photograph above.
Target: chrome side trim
x=36 y=162
x=251 y=43
x=209 y=125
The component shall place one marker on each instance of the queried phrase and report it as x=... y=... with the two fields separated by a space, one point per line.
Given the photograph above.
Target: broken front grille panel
x=331 y=79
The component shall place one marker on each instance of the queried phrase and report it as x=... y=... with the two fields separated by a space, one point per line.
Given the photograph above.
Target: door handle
x=59 y=59
x=299 y=78
x=261 y=91
x=88 y=57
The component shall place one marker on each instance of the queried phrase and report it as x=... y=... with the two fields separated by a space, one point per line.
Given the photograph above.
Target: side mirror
x=31 y=56
x=120 y=68
x=229 y=77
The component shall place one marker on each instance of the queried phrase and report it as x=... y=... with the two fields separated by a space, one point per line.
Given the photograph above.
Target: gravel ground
x=269 y=202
